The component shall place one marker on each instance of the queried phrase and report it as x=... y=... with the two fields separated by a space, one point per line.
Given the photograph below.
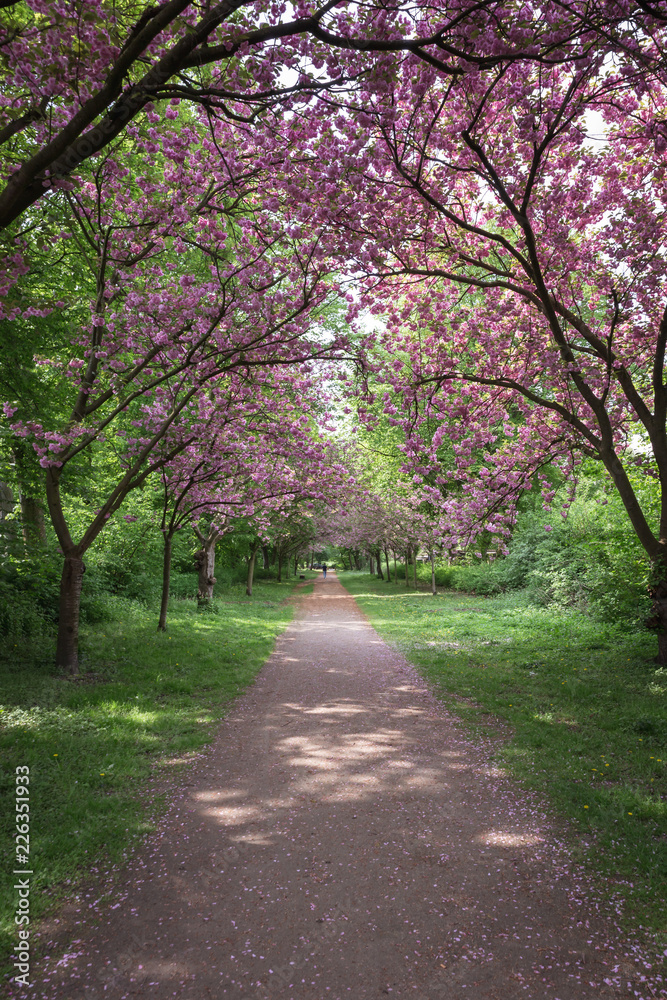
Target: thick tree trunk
x=378 y=559
x=414 y=569
x=166 y=580
x=34 y=525
x=265 y=556
x=386 y=559
x=205 y=563
x=393 y=552
x=251 y=571
x=407 y=568
x=371 y=567
x=67 y=648
x=432 y=554
x=296 y=563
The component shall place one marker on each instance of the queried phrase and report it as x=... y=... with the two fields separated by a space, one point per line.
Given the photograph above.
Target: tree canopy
x=224 y=228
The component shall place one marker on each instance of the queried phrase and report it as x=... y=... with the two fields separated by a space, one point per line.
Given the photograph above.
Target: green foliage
x=20 y=619
x=475 y=578
x=147 y=703
x=587 y=707
x=28 y=595
x=589 y=561
x=479 y=578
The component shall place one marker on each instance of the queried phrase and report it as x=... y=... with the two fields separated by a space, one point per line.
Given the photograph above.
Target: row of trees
x=185 y=190
x=509 y=226
x=175 y=329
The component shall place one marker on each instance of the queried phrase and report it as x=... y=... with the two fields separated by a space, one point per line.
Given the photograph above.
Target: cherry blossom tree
x=513 y=241
x=194 y=278
x=78 y=73
x=383 y=511
x=250 y=459
x=212 y=169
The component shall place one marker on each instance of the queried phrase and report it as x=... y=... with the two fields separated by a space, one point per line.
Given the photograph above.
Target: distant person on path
x=324 y=570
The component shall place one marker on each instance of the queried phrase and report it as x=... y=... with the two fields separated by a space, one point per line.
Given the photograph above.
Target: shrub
x=184 y=585
x=481 y=578
x=589 y=561
x=20 y=617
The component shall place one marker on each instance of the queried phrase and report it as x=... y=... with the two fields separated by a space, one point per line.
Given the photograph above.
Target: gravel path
x=343 y=838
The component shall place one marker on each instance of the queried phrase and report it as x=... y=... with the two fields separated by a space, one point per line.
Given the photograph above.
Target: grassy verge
x=96 y=745
x=587 y=706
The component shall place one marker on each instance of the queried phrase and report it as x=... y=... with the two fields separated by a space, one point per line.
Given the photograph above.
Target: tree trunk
x=432 y=554
x=407 y=568
x=34 y=525
x=67 y=649
x=371 y=567
x=280 y=567
x=32 y=509
x=265 y=556
x=296 y=563
x=386 y=559
x=166 y=580
x=662 y=649
x=205 y=563
x=378 y=559
x=414 y=569
x=251 y=571
x=7 y=503
x=393 y=552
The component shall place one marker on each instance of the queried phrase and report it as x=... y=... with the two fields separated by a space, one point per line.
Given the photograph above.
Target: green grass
x=97 y=745
x=587 y=706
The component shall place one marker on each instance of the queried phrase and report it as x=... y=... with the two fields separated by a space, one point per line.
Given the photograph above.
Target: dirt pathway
x=343 y=839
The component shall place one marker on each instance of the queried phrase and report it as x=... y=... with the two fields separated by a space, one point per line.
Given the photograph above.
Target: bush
x=20 y=617
x=444 y=576
x=264 y=574
x=589 y=561
x=184 y=585
x=482 y=578
x=29 y=589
